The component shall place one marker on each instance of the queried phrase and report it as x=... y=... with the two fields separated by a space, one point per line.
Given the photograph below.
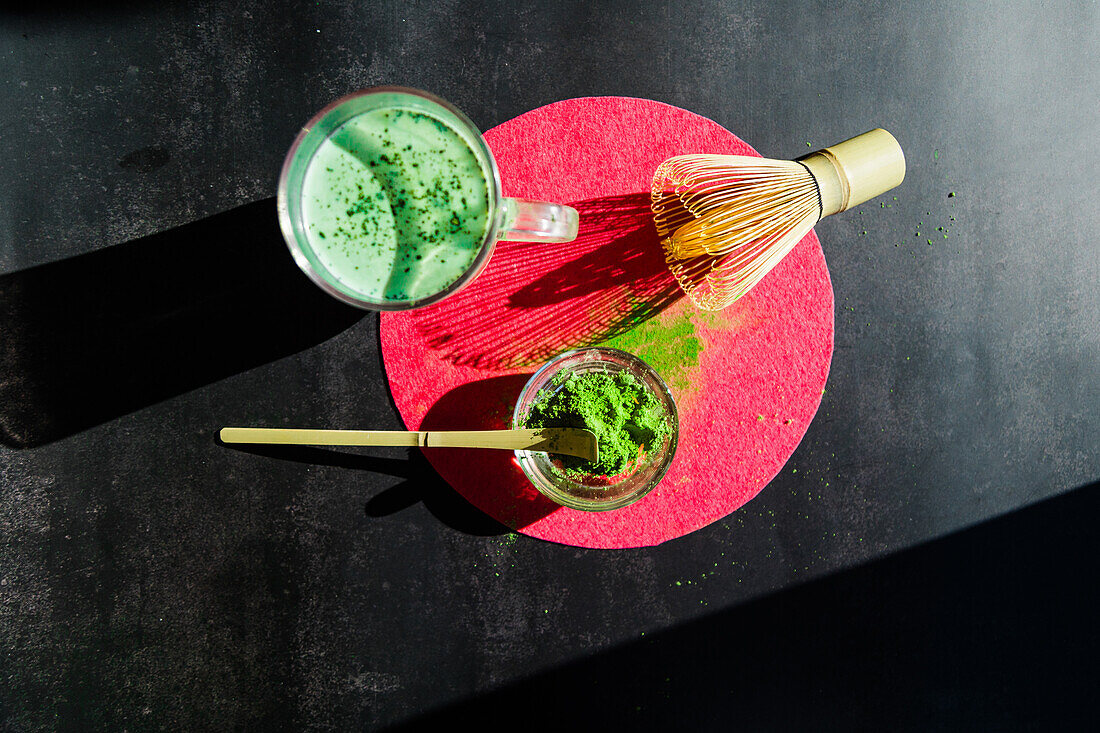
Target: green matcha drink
x=395 y=204
x=389 y=199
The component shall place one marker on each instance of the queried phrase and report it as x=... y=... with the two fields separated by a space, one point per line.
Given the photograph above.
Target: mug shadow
x=94 y=337
x=536 y=300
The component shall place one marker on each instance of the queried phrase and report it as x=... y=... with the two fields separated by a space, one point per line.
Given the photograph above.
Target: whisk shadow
x=536 y=300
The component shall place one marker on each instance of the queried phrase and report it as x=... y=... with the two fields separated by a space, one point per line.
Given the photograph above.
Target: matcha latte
x=395 y=204
x=389 y=199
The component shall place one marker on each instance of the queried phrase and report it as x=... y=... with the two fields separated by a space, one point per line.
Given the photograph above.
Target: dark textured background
x=153 y=579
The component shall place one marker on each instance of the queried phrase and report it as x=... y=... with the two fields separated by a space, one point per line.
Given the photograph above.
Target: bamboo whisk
x=726 y=220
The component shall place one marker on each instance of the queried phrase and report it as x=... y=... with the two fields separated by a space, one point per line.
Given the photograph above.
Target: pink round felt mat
x=747 y=380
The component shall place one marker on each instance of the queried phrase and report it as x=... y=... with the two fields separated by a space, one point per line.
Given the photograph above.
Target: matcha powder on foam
x=623 y=413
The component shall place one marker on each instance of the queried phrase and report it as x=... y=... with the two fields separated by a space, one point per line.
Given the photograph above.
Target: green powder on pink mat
x=626 y=416
x=670 y=346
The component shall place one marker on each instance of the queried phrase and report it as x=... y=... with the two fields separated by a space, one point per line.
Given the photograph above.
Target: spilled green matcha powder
x=623 y=413
x=672 y=348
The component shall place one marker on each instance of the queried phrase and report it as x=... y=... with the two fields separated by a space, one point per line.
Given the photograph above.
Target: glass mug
x=389 y=199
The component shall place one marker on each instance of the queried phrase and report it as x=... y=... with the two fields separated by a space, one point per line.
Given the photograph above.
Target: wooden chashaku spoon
x=563 y=441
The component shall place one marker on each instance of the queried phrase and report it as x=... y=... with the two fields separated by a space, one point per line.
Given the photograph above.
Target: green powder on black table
x=624 y=414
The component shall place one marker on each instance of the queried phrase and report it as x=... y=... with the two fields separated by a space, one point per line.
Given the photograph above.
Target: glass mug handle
x=537 y=221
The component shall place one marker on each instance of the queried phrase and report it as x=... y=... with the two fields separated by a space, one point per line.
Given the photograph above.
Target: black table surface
x=925 y=560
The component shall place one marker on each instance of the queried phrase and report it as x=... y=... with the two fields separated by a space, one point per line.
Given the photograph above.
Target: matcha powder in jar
x=627 y=418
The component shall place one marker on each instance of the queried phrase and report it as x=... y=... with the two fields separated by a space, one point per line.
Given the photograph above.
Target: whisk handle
x=856 y=170
x=537 y=221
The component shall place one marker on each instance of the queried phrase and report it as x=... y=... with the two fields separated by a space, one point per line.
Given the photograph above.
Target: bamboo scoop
x=563 y=441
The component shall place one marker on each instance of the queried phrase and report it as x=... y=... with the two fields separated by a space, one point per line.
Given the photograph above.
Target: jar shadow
x=489 y=479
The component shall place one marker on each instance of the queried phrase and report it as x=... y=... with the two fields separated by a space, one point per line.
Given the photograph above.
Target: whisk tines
x=726 y=220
